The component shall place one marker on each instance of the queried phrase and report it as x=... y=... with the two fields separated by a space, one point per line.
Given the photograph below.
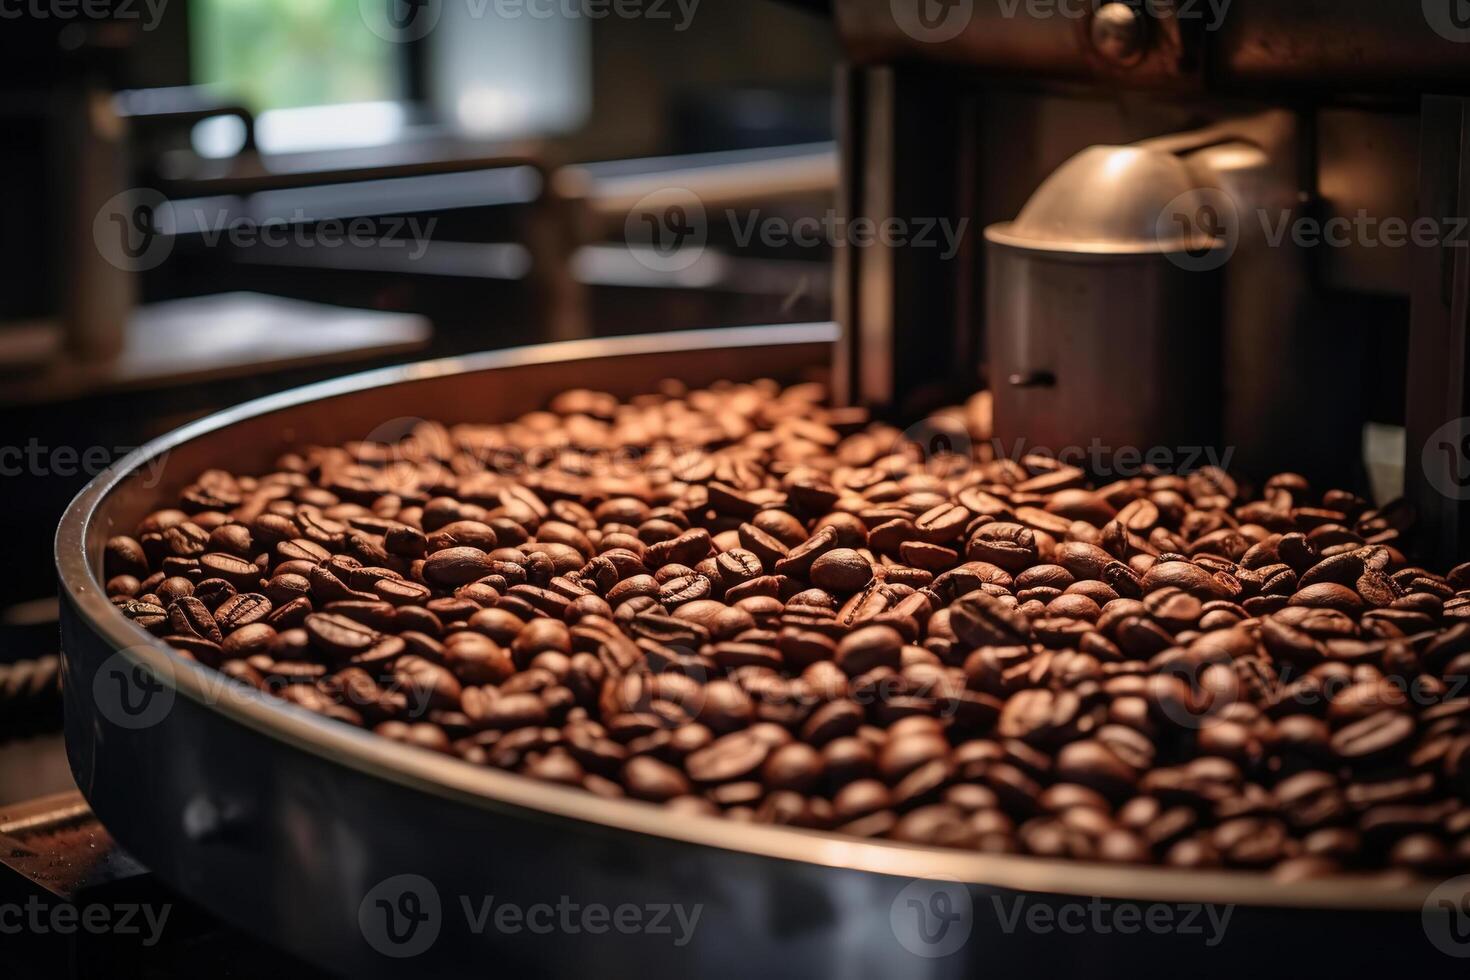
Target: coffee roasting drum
x=1097 y=313
x=300 y=829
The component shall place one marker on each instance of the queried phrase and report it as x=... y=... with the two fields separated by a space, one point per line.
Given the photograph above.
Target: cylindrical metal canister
x=1103 y=325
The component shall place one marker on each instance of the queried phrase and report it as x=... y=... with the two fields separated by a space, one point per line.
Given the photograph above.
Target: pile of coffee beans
x=738 y=601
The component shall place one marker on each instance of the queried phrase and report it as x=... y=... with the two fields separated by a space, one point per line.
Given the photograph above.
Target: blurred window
x=493 y=70
x=277 y=54
x=499 y=70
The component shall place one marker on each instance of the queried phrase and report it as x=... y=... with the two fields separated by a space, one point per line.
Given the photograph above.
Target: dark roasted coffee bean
x=868 y=648
x=789 y=621
x=148 y=615
x=242 y=609
x=242 y=573
x=838 y=719
x=123 y=586
x=795 y=766
x=1094 y=765
x=339 y=635
x=190 y=617
x=799 y=560
x=648 y=779
x=1375 y=737
x=249 y=640
x=456 y=566
x=841 y=571
x=979 y=619
x=730 y=757
x=123 y=555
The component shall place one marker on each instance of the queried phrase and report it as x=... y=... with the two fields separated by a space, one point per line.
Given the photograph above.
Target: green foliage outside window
x=276 y=54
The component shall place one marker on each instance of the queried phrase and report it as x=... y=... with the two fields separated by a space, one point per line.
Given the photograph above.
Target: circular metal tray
x=371 y=857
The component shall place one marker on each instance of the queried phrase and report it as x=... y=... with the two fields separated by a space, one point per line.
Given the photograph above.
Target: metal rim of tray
x=492 y=789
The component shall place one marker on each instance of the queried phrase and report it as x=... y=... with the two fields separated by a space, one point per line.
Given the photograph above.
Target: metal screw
x=1118 y=33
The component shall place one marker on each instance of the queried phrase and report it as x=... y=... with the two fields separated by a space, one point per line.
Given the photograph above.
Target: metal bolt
x=1118 y=33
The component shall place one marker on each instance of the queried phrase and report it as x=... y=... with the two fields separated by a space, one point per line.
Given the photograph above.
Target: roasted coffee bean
x=126 y=586
x=1094 y=765
x=1006 y=545
x=249 y=640
x=339 y=635
x=980 y=619
x=776 y=614
x=738 y=565
x=841 y=571
x=1376 y=736
x=648 y=779
x=799 y=560
x=190 y=617
x=242 y=609
x=148 y=615
x=123 y=555
x=868 y=648
x=456 y=566
x=186 y=540
x=839 y=719
x=728 y=758
x=795 y=766
x=242 y=573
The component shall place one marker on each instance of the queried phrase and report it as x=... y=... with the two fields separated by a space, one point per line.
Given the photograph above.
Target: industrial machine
x=1158 y=185
x=1137 y=181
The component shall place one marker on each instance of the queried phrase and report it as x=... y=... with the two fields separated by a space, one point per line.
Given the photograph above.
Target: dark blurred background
x=208 y=200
